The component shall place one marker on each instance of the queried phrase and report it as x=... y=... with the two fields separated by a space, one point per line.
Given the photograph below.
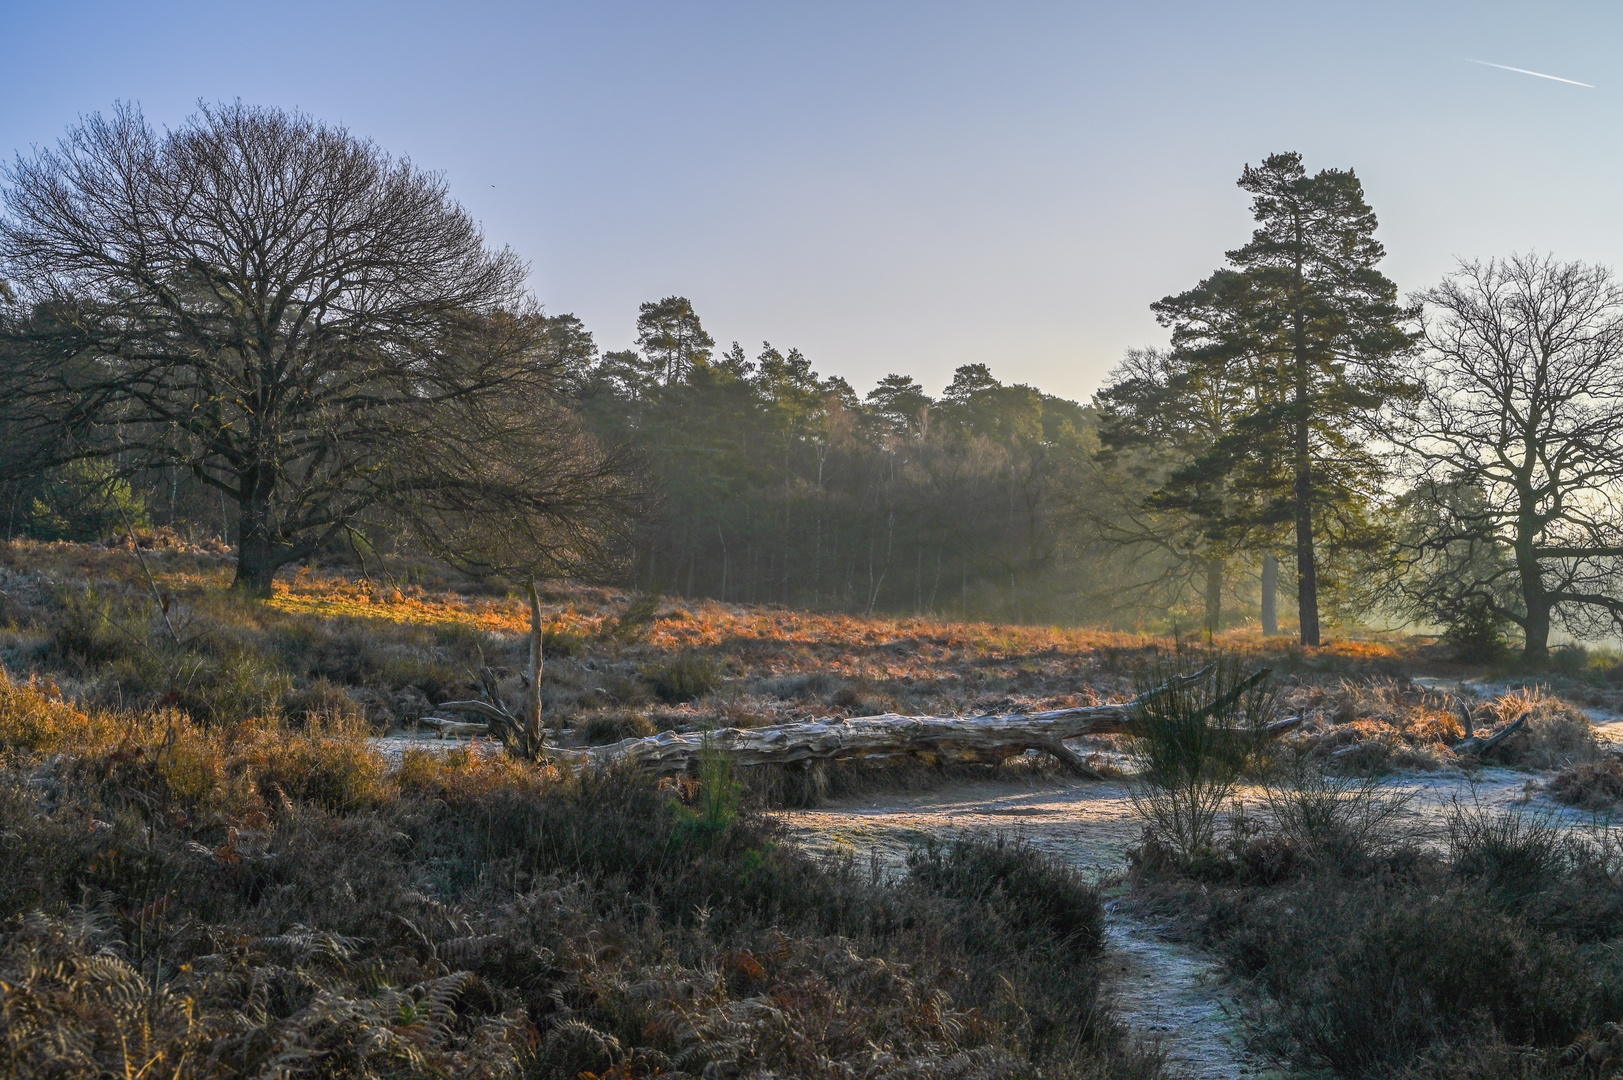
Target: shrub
x=687 y=676
x=1555 y=734
x=623 y=689
x=1401 y=959
x=1394 y=973
x=563 y=643
x=464 y=645
x=1513 y=854
x=791 y=687
x=614 y=727
x=1477 y=634
x=636 y=622
x=89 y=631
x=229 y=688
x=1194 y=735
x=33 y=717
x=193 y=768
x=1589 y=785
x=209 y=894
x=323 y=702
x=1569 y=659
x=1037 y=890
x=1341 y=823
x=716 y=801
x=329 y=766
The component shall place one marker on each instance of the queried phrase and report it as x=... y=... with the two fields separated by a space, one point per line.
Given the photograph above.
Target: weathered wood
x=877 y=741
x=883 y=740
x=454 y=727
x=1480 y=744
x=872 y=740
x=1477 y=744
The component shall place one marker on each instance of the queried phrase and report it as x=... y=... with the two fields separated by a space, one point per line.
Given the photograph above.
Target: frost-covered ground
x=1166 y=991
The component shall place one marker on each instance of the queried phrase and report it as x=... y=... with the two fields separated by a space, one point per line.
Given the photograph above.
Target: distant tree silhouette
x=671 y=338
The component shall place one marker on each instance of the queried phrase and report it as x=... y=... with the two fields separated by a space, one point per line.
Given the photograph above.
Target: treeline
x=782 y=485
x=262 y=329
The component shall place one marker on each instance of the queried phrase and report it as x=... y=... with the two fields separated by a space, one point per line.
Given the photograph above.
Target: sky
x=897 y=187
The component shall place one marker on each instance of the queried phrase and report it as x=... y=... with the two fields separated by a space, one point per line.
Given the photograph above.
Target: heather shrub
x=1195 y=734
x=1589 y=785
x=1034 y=890
x=494 y=920
x=1364 y=953
x=686 y=676
x=1553 y=735
x=615 y=726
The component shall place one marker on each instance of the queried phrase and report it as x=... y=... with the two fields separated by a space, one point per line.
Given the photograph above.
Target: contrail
x=1524 y=71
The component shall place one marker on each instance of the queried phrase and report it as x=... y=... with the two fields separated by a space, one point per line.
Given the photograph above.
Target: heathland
x=225 y=856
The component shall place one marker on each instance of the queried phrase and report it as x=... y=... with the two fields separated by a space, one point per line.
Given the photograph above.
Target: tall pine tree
x=1316 y=329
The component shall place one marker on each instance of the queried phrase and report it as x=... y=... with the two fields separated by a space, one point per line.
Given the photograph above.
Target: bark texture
x=889 y=739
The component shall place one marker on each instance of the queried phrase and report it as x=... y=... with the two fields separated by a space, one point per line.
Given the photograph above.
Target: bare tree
x=530 y=495
x=1518 y=438
x=270 y=303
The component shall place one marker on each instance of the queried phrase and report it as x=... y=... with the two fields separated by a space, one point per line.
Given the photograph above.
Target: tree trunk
x=1214 y=596
x=532 y=736
x=1536 y=630
x=1270 y=595
x=1307 y=571
x=256 y=552
x=1307 y=575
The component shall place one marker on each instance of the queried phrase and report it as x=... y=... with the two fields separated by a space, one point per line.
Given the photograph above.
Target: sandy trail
x=1091 y=825
x=1165 y=991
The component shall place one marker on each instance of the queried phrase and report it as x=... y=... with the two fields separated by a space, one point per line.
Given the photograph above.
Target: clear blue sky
x=894 y=186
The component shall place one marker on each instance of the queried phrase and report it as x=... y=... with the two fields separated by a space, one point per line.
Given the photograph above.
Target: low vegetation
x=257 y=900
x=1362 y=943
x=212 y=870
x=388 y=646
x=1368 y=952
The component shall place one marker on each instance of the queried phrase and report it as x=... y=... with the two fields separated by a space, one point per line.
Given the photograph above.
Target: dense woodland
x=265 y=330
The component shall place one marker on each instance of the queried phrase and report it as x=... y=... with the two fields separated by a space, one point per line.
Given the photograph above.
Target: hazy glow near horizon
x=896 y=187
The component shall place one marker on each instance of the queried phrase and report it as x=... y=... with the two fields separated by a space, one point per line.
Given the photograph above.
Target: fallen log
x=1479 y=744
x=454 y=727
x=875 y=741
x=871 y=740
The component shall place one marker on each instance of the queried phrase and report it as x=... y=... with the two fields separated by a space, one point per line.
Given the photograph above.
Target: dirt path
x=1165 y=991
x=1170 y=994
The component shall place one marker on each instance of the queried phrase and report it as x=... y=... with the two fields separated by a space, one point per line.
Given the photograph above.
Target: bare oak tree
x=1518 y=438
x=270 y=303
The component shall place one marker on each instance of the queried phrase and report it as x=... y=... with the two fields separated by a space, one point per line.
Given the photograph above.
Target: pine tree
x=1160 y=415
x=1317 y=330
x=672 y=340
